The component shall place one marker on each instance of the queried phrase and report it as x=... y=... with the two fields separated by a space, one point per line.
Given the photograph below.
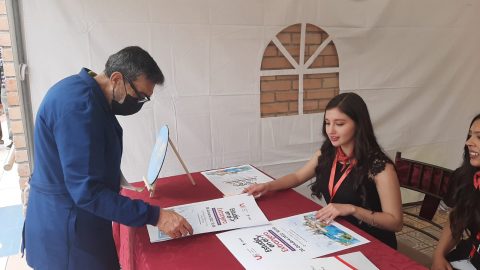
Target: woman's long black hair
x=365 y=143
x=466 y=212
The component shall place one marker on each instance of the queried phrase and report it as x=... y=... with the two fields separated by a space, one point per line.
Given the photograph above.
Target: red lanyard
x=331 y=188
x=475 y=247
x=476 y=180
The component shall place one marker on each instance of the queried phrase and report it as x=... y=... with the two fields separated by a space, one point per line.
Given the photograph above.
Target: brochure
x=227 y=213
x=234 y=180
x=298 y=238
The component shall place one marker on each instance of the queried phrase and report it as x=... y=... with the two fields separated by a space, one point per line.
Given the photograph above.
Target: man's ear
x=115 y=77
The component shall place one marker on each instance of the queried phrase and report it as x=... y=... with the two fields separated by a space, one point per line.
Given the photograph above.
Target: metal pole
x=19 y=57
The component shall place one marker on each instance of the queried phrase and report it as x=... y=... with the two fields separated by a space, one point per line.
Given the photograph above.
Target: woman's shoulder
x=377 y=162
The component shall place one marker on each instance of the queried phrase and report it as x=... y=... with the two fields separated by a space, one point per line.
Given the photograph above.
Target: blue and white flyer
x=297 y=237
x=227 y=213
x=233 y=180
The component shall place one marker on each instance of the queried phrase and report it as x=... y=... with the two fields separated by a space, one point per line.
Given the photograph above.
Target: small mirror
x=158 y=155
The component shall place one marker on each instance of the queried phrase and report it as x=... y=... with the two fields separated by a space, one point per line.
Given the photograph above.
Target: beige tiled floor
x=417 y=241
x=9 y=195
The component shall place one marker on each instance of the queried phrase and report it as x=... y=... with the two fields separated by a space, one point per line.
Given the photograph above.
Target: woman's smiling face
x=340 y=129
x=473 y=143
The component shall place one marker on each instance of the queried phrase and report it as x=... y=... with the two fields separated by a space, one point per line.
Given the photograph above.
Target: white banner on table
x=463 y=264
x=227 y=213
x=233 y=180
x=358 y=260
x=349 y=261
x=301 y=236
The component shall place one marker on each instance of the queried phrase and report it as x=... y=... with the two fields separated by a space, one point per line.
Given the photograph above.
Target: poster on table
x=233 y=180
x=297 y=237
x=349 y=261
x=226 y=213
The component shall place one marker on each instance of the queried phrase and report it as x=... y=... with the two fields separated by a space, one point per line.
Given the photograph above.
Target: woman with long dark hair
x=462 y=230
x=354 y=176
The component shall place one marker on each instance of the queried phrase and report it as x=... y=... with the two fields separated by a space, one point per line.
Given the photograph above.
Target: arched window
x=299 y=72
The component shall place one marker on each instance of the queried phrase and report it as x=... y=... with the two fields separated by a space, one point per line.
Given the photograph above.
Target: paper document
x=234 y=180
x=298 y=238
x=358 y=260
x=349 y=261
x=463 y=265
x=227 y=213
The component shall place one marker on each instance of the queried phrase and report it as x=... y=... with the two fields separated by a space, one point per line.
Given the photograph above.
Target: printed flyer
x=227 y=213
x=301 y=236
x=233 y=180
x=349 y=261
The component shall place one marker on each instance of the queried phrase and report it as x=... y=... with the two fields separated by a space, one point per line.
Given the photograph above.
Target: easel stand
x=151 y=188
x=181 y=162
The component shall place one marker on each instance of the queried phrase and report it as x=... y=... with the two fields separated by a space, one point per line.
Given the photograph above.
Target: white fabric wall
x=415 y=62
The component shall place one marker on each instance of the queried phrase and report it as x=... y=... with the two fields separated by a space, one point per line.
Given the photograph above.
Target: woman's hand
x=328 y=213
x=256 y=190
x=440 y=263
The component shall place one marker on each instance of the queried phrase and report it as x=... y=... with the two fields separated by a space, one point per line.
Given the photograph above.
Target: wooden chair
x=431 y=180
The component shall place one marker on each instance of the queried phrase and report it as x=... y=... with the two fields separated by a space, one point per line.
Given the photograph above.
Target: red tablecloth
x=205 y=251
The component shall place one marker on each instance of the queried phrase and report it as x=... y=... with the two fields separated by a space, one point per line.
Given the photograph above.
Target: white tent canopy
x=416 y=64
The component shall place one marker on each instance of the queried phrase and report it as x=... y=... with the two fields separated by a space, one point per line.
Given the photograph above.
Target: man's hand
x=173 y=224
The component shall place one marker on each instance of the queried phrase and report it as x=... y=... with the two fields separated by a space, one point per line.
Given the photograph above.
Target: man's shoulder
x=70 y=93
x=69 y=87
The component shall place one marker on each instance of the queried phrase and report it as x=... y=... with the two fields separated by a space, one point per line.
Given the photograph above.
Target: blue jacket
x=75 y=185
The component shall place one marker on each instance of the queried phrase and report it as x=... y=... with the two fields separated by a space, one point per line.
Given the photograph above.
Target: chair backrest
x=431 y=180
x=423 y=177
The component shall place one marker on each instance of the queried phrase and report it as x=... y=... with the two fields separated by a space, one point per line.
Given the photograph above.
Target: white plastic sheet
x=416 y=64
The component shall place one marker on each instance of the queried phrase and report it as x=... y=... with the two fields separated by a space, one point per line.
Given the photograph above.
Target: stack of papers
x=289 y=243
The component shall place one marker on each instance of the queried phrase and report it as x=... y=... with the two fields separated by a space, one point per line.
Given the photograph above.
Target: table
x=205 y=251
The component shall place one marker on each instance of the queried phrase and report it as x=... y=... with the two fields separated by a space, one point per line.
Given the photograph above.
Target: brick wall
x=13 y=101
x=318 y=89
x=274 y=59
x=279 y=94
x=314 y=36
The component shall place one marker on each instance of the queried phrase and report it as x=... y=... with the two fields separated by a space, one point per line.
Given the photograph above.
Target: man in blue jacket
x=75 y=185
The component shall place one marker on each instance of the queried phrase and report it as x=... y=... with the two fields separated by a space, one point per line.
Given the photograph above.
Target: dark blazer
x=75 y=184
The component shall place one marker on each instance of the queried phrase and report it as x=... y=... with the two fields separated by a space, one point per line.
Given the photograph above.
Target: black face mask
x=129 y=106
